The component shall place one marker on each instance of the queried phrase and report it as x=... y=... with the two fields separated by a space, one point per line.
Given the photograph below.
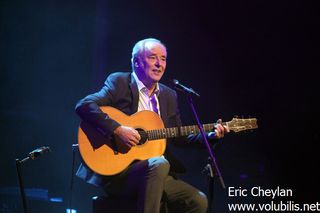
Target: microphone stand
x=22 y=192
x=211 y=168
x=32 y=155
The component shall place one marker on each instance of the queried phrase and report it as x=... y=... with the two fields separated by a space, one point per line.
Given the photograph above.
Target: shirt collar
x=142 y=87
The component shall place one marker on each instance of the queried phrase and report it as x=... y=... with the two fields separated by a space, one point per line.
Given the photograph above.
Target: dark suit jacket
x=120 y=91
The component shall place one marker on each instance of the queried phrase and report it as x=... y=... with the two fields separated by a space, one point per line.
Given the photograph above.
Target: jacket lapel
x=135 y=94
x=163 y=104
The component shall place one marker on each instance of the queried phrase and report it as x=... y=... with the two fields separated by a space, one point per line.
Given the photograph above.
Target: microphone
x=40 y=151
x=183 y=88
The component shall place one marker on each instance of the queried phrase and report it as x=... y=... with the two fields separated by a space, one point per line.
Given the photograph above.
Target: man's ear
x=137 y=62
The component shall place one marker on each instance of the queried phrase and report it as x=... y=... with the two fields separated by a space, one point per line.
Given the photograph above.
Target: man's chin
x=157 y=78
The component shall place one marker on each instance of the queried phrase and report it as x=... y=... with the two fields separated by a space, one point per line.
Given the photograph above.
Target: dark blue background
x=251 y=58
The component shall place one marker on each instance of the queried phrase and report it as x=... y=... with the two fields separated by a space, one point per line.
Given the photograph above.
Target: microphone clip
x=40 y=151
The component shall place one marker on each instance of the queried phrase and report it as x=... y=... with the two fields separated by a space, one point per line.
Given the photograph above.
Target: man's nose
x=158 y=63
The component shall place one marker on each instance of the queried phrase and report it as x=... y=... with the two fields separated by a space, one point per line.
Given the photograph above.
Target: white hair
x=139 y=48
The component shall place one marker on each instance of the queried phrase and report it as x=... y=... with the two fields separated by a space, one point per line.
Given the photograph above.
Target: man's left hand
x=220 y=129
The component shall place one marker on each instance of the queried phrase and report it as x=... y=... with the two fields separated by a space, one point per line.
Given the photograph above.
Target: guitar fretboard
x=178 y=131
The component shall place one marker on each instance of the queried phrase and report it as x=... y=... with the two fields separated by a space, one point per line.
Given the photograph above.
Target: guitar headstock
x=242 y=124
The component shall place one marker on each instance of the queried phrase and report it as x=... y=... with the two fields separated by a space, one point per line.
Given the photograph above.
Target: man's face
x=153 y=62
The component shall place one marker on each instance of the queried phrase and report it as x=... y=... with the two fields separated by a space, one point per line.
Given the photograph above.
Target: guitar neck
x=174 y=132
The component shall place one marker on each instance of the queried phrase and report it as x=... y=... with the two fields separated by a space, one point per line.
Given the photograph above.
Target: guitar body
x=106 y=157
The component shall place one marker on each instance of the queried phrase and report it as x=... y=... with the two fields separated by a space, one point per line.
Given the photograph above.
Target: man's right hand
x=127 y=136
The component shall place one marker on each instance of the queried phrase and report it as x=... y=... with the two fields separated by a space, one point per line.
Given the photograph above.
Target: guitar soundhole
x=144 y=136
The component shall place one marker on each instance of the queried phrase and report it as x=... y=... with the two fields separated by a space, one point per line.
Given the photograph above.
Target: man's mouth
x=156 y=70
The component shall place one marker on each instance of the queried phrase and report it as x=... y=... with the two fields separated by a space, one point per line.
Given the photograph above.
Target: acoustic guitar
x=107 y=157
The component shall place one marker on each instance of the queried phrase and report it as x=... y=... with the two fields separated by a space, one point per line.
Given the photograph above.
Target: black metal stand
x=74 y=148
x=208 y=171
x=212 y=166
x=32 y=155
x=22 y=192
